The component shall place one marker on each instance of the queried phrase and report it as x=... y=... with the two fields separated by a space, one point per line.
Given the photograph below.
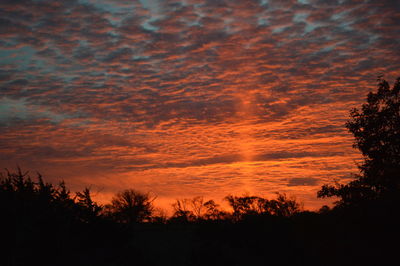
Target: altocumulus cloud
x=193 y=95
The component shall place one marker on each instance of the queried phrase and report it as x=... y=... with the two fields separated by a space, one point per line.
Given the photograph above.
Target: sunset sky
x=191 y=97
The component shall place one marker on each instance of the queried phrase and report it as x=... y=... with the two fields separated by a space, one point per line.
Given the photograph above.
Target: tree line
x=22 y=195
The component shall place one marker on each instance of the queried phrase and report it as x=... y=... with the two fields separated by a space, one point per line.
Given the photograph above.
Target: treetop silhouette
x=247 y=205
x=376 y=129
x=131 y=206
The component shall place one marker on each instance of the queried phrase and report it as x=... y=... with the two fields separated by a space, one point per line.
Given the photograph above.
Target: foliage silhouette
x=131 y=206
x=43 y=223
x=376 y=129
x=89 y=209
x=253 y=205
x=195 y=209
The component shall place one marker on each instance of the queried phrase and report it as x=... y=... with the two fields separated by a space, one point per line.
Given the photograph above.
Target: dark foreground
x=307 y=239
x=44 y=225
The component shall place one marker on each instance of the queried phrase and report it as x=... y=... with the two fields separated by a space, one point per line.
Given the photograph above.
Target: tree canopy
x=131 y=206
x=376 y=130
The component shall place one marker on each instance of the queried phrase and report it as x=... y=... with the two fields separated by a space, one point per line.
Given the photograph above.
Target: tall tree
x=376 y=129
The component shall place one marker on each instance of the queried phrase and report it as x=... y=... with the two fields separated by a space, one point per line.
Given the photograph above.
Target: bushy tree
x=253 y=205
x=213 y=211
x=245 y=205
x=282 y=206
x=131 y=206
x=376 y=129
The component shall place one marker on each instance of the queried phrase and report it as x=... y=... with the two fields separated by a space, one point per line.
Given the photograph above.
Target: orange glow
x=189 y=98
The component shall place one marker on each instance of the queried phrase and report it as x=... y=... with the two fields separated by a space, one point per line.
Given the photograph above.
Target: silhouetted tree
x=245 y=205
x=282 y=206
x=131 y=206
x=183 y=210
x=196 y=209
x=376 y=129
x=212 y=211
x=42 y=223
x=253 y=205
x=89 y=209
x=159 y=216
x=324 y=209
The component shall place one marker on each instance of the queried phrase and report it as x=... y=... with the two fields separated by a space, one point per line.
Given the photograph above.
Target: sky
x=192 y=97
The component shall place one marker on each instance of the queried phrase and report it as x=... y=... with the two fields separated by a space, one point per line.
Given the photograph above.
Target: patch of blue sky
x=310 y=27
x=264 y=2
x=148 y=26
x=148 y=4
x=193 y=23
x=280 y=29
x=115 y=18
x=116 y=11
x=329 y=48
x=96 y=73
x=341 y=19
x=114 y=34
x=21 y=57
x=155 y=9
x=372 y=38
x=340 y=15
x=20 y=109
x=346 y=26
x=262 y=22
x=83 y=42
x=68 y=78
x=11 y=109
x=24 y=63
x=25 y=58
x=109 y=6
x=8 y=43
x=300 y=17
x=198 y=11
x=304 y=2
x=140 y=57
x=44 y=68
x=228 y=25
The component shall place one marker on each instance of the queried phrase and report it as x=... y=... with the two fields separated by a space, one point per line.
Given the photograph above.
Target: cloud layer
x=191 y=97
